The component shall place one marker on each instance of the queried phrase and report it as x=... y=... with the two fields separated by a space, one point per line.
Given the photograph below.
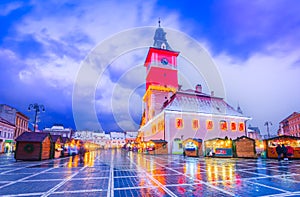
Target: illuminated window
x=195 y=124
x=153 y=128
x=161 y=125
x=223 y=125
x=209 y=125
x=179 y=123
x=241 y=126
x=233 y=126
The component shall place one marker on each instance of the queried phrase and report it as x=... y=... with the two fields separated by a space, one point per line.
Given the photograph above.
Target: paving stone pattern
x=121 y=173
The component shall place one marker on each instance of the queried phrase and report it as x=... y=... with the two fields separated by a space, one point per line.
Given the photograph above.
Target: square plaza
x=115 y=172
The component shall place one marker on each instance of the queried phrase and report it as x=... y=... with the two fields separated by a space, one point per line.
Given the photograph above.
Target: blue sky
x=255 y=45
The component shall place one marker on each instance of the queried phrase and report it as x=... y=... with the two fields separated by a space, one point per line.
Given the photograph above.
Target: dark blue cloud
x=9 y=20
x=26 y=46
x=237 y=27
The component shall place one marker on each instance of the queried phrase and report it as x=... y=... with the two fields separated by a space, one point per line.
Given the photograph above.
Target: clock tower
x=161 y=74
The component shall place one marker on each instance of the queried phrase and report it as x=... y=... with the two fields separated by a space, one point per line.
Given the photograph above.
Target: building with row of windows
x=59 y=129
x=7 y=130
x=11 y=117
x=290 y=125
x=172 y=114
x=109 y=140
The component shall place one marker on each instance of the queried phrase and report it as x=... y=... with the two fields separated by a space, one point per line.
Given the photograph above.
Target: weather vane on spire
x=159 y=22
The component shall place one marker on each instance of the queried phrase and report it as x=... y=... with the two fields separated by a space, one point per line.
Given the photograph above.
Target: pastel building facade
x=173 y=114
x=290 y=125
x=6 y=136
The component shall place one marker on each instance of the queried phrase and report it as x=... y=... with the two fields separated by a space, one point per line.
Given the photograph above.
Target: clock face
x=164 y=61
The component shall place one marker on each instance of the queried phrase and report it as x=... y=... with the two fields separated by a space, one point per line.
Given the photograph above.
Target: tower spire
x=160 y=40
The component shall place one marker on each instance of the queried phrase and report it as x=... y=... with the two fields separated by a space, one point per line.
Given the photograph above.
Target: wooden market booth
x=244 y=147
x=218 y=147
x=56 y=146
x=65 y=146
x=291 y=143
x=156 y=147
x=177 y=147
x=33 y=146
x=192 y=147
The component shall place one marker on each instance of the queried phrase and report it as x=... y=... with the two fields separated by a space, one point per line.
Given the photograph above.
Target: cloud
x=6 y=9
x=265 y=85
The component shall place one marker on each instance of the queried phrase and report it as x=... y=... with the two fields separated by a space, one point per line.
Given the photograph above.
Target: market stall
x=33 y=146
x=244 y=147
x=56 y=146
x=261 y=148
x=291 y=143
x=218 y=147
x=155 y=147
x=192 y=147
x=177 y=147
x=65 y=146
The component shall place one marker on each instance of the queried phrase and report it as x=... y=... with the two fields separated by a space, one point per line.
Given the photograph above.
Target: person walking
x=284 y=151
x=279 y=151
x=81 y=152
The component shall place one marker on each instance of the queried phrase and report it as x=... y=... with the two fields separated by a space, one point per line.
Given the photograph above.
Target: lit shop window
x=153 y=128
x=209 y=125
x=241 y=126
x=179 y=123
x=233 y=126
x=223 y=125
x=195 y=124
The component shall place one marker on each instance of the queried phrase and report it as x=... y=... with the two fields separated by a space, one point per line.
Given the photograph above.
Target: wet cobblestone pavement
x=121 y=173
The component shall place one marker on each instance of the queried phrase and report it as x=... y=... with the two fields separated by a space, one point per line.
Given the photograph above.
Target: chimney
x=212 y=93
x=179 y=87
x=198 y=88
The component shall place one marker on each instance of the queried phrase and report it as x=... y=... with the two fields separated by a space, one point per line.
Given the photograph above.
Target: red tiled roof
x=32 y=137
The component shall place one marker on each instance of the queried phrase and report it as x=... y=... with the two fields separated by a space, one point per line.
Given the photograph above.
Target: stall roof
x=217 y=138
x=243 y=137
x=159 y=141
x=284 y=136
x=32 y=137
x=195 y=139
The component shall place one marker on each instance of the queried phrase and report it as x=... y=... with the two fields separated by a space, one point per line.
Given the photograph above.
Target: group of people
x=282 y=151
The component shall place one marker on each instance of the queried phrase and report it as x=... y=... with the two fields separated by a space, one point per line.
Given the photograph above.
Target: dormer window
x=163 y=46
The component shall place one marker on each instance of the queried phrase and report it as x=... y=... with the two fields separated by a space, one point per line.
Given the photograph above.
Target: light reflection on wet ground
x=121 y=173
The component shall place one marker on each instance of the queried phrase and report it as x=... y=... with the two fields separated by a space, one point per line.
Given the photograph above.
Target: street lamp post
x=37 y=109
x=268 y=123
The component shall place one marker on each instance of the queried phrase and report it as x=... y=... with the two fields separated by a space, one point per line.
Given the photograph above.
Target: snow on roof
x=188 y=101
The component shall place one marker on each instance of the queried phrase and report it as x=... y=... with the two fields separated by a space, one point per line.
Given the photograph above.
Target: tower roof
x=160 y=40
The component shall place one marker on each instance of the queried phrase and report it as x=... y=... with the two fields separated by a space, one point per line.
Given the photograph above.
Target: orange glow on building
x=195 y=124
x=209 y=124
x=233 y=126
